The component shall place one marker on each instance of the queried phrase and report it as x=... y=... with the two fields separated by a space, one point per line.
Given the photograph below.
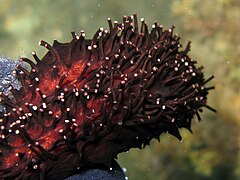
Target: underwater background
x=213 y=150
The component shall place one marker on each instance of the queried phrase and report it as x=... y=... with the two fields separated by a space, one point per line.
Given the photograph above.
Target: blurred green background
x=213 y=150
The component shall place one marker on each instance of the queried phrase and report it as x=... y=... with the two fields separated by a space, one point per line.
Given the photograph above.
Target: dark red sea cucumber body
x=88 y=100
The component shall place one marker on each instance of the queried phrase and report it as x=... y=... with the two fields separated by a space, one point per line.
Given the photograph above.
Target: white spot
x=120 y=123
x=82 y=33
x=17 y=131
x=34 y=108
x=124 y=169
x=18 y=121
x=3 y=136
x=67 y=121
x=44 y=105
x=158 y=101
x=14 y=72
x=101 y=72
x=155 y=68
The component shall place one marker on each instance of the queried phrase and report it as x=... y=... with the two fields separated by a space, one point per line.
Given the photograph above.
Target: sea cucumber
x=88 y=100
